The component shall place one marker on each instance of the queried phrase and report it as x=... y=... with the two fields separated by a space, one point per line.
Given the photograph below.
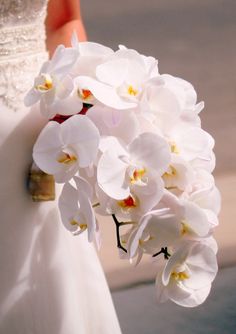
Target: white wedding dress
x=50 y=281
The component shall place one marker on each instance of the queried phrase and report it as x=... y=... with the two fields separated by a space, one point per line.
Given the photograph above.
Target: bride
x=50 y=281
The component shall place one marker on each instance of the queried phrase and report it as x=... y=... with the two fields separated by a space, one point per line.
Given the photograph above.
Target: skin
x=64 y=16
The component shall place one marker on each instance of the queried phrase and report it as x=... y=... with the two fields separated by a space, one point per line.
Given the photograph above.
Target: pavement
x=139 y=312
x=195 y=40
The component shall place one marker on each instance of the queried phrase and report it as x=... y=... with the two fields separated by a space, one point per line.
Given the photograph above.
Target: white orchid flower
x=90 y=56
x=150 y=63
x=53 y=81
x=183 y=90
x=206 y=164
x=119 y=80
x=61 y=149
x=75 y=205
x=139 y=201
x=210 y=242
x=187 y=97
x=98 y=91
x=120 y=168
x=113 y=122
x=160 y=104
x=179 y=174
x=127 y=71
x=86 y=85
x=190 y=142
x=175 y=99
x=170 y=226
x=205 y=194
x=207 y=198
x=187 y=276
x=71 y=105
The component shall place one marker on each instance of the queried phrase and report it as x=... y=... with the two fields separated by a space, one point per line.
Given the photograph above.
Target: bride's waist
x=16 y=41
x=16 y=78
x=22 y=52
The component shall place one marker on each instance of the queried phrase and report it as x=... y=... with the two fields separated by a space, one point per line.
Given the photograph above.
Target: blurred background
x=195 y=40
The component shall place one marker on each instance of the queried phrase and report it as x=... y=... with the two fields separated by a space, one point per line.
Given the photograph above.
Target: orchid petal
x=151 y=150
x=111 y=175
x=103 y=93
x=62 y=60
x=113 y=72
x=78 y=131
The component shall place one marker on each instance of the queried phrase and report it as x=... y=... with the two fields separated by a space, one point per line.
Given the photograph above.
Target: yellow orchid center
x=185 y=229
x=47 y=83
x=73 y=222
x=128 y=203
x=83 y=226
x=179 y=276
x=85 y=94
x=66 y=158
x=137 y=175
x=124 y=242
x=171 y=172
x=132 y=91
x=174 y=148
x=143 y=241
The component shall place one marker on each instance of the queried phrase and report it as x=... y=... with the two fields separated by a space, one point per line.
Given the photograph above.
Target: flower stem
x=163 y=251
x=118 y=225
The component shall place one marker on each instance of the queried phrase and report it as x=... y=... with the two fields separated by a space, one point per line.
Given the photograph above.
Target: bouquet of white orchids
x=126 y=141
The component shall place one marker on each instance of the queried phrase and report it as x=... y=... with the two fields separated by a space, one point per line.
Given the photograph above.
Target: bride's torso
x=22 y=49
x=22 y=52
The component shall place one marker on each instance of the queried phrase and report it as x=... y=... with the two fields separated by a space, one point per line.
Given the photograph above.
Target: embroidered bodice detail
x=21 y=12
x=22 y=48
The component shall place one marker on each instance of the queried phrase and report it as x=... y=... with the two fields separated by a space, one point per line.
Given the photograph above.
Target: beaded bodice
x=22 y=48
x=21 y=12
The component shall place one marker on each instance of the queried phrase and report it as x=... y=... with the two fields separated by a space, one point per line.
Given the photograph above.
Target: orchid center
x=124 y=242
x=66 y=158
x=85 y=94
x=74 y=222
x=180 y=276
x=137 y=175
x=185 y=229
x=171 y=172
x=132 y=91
x=46 y=83
x=173 y=147
x=128 y=203
x=170 y=177
x=83 y=226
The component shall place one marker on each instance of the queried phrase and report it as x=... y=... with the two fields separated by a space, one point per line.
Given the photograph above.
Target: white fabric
x=50 y=281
